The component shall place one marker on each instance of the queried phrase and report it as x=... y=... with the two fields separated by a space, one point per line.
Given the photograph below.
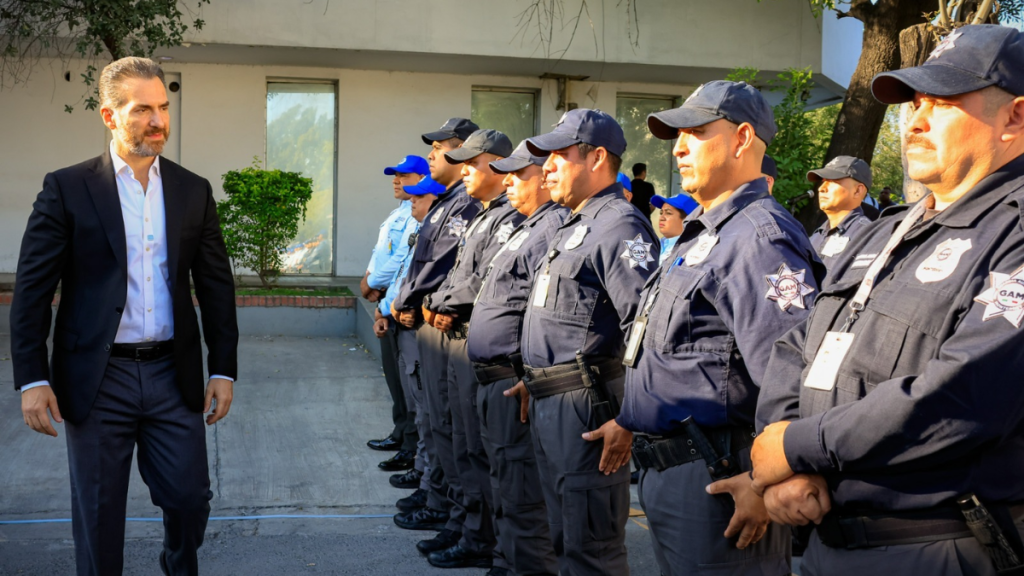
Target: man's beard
x=137 y=144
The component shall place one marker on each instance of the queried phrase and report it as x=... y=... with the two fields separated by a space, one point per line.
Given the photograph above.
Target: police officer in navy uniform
x=843 y=185
x=494 y=349
x=584 y=297
x=896 y=410
x=452 y=306
x=433 y=257
x=742 y=273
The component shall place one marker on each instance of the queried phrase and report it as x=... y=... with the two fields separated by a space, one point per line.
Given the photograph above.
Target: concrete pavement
x=293 y=444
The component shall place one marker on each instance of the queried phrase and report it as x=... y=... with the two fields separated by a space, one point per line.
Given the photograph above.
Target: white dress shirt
x=148 y=310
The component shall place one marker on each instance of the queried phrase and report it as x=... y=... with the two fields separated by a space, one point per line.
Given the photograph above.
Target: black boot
x=443 y=541
x=422 y=519
x=414 y=501
x=403 y=460
x=386 y=444
x=459 y=557
x=410 y=479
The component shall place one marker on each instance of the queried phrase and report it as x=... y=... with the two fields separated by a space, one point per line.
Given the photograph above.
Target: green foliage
x=794 y=147
x=88 y=29
x=261 y=215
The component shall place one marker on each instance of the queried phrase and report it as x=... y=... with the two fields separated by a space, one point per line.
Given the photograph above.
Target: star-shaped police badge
x=787 y=288
x=504 y=231
x=638 y=252
x=1005 y=297
x=947 y=43
x=456 y=226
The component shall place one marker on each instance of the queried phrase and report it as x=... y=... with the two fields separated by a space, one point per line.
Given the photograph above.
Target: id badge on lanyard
x=636 y=333
x=836 y=345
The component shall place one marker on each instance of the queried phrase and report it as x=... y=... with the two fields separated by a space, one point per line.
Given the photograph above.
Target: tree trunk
x=861 y=116
x=916 y=43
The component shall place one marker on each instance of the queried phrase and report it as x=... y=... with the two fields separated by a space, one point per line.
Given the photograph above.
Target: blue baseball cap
x=409 y=165
x=737 y=102
x=624 y=180
x=581 y=125
x=681 y=202
x=769 y=168
x=425 y=186
x=459 y=128
x=968 y=59
x=519 y=159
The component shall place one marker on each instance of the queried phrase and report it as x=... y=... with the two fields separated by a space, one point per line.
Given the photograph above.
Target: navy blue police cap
x=411 y=164
x=459 y=128
x=519 y=159
x=769 y=168
x=683 y=202
x=584 y=125
x=425 y=186
x=968 y=59
x=737 y=102
x=480 y=142
x=843 y=167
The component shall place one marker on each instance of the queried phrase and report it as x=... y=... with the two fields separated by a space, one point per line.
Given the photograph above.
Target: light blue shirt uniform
x=384 y=265
x=406 y=251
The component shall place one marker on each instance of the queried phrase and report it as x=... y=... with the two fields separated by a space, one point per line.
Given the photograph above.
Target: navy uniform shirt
x=831 y=242
x=596 y=267
x=742 y=275
x=436 y=245
x=928 y=402
x=491 y=228
x=505 y=290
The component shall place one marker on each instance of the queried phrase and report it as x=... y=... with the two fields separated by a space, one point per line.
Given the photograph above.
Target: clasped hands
x=790 y=498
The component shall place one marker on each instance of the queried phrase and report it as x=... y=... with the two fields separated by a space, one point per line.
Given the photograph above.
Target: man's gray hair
x=114 y=74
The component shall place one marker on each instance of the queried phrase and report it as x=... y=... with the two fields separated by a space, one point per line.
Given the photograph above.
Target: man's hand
x=220 y=391
x=769 y=457
x=750 y=520
x=34 y=405
x=407 y=318
x=801 y=499
x=524 y=399
x=428 y=316
x=444 y=322
x=617 y=446
x=374 y=295
x=364 y=286
x=380 y=327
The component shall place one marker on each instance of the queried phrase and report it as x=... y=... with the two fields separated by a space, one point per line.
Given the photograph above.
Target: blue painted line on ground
x=213 y=518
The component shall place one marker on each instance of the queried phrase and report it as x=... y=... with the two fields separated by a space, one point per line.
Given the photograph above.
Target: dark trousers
x=412 y=387
x=958 y=557
x=587 y=511
x=138 y=404
x=434 y=376
x=405 y=429
x=687 y=526
x=520 y=517
x=470 y=456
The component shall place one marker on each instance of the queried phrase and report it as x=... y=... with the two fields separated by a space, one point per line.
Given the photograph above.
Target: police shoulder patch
x=787 y=287
x=1004 y=297
x=504 y=231
x=457 y=226
x=638 y=252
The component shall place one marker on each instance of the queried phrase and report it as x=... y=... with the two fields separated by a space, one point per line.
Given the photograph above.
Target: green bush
x=261 y=216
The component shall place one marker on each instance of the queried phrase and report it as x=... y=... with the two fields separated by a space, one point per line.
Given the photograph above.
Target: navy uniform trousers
x=412 y=389
x=433 y=346
x=405 y=432
x=138 y=403
x=520 y=516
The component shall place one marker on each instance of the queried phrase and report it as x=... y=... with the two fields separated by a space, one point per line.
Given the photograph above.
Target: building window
x=301 y=127
x=509 y=110
x=631 y=111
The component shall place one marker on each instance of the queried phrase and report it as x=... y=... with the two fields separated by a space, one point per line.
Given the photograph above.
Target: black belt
x=891 y=529
x=487 y=373
x=544 y=382
x=459 y=332
x=143 y=351
x=661 y=453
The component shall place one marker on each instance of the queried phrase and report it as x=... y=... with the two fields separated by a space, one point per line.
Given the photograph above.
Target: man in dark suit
x=122 y=234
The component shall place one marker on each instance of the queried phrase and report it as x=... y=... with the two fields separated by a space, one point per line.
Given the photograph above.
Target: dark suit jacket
x=643 y=191
x=75 y=236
